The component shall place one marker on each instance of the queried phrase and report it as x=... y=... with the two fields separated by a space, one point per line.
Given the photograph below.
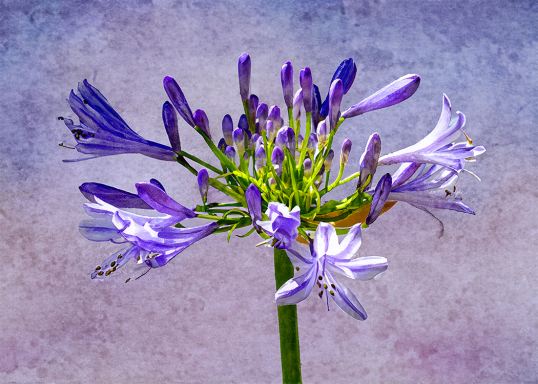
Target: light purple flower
x=368 y=162
x=277 y=159
x=274 y=116
x=243 y=68
x=327 y=258
x=260 y=153
x=392 y=94
x=229 y=152
x=282 y=224
x=151 y=240
x=239 y=139
x=286 y=77
x=261 y=114
x=102 y=131
x=203 y=183
x=323 y=133
x=437 y=147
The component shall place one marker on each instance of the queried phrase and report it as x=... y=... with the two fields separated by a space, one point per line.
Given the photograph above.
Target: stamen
x=331 y=292
x=297 y=268
x=98 y=268
x=128 y=280
x=113 y=264
x=468 y=139
x=334 y=286
x=65 y=146
x=85 y=102
x=100 y=273
x=448 y=193
x=320 y=277
x=319 y=285
x=324 y=285
x=320 y=294
x=60 y=118
x=108 y=272
x=454 y=187
x=470 y=159
x=120 y=256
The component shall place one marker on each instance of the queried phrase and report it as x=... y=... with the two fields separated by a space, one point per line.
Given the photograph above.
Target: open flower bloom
x=282 y=224
x=323 y=262
x=438 y=147
x=151 y=240
x=102 y=131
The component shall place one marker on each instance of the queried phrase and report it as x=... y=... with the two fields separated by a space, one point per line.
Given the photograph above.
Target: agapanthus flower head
x=227 y=129
x=438 y=146
x=319 y=266
x=346 y=72
x=286 y=77
x=243 y=68
x=305 y=78
x=201 y=120
x=282 y=224
x=102 y=131
x=176 y=96
x=392 y=94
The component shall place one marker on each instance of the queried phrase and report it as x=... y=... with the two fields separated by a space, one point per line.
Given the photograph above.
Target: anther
x=319 y=285
x=60 y=118
x=324 y=285
x=297 y=268
x=108 y=272
x=331 y=292
x=101 y=273
x=120 y=256
x=320 y=294
x=128 y=280
x=332 y=285
x=85 y=102
x=65 y=146
x=448 y=193
x=98 y=268
x=320 y=277
x=113 y=264
x=468 y=139
x=454 y=188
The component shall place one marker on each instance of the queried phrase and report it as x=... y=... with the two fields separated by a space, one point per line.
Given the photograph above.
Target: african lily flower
x=326 y=259
x=438 y=146
x=153 y=241
x=102 y=131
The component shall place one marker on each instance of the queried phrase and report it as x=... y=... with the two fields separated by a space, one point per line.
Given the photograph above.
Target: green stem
x=287 y=324
x=201 y=162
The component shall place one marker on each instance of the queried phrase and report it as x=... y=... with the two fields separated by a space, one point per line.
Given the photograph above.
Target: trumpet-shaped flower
x=438 y=146
x=323 y=262
x=151 y=240
x=102 y=131
x=282 y=224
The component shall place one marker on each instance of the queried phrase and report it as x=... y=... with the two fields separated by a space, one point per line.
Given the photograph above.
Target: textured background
x=460 y=308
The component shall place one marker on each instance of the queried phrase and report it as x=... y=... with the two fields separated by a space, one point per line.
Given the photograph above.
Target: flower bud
x=381 y=194
x=271 y=130
x=282 y=138
x=306 y=84
x=261 y=116
x=201 y=120
x=254 y=204
x=253 y=140
x=297 y=104
x=260 y=153
x=239 y=139
x=300 y=139
x=277 y=158
x=307 y=165
x=170 y=124
x=243 y=69
x=392 y=94
x=290 y=144
x=346 y=72
x=312 y=141
x=259 y=143
x=252 y=107
x=229 y=152
x=369 y=160
x=222 y=145
x=177 y=98
x=328 y=160
x=344 y=153
x=286 y=76
x=322 y=132
x=243 y=122
x=227 y=129
x=274 y=116
x=316 y=105
x=203 y=183
x=335 y=98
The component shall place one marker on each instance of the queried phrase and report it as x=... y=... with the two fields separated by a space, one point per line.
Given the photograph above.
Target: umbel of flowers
x=275 y=166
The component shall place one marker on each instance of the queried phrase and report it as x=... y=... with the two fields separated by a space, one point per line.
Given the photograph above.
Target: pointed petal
x=99 y=230
x=345 y=299
x=115 y=261
x=161 y=202
x=361 y=268
x=325 y=240
x=368 y=162
x=254 y=203
x=299 y=256
x=429 y=200
x=113 y=196
x=297 y=289
x=350 y=245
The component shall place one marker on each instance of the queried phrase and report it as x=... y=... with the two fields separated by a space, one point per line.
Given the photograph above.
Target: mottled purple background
x=457 y=309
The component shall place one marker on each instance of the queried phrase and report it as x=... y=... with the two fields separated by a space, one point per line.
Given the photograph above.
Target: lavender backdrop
x=461 y=308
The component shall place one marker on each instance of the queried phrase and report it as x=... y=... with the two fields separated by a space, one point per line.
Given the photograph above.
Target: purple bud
x=307 y=165
x=346 y=72
x=239 y=139
x=274 y=116
x=201 y=120
x=203 y=183
x=230 y=152
x=369 y=159
x=252 y=106
x=312 y=141
x=222 y=145
x=170 y=124
x=259 y=142
x=254 y=203
x=392 y=94
x=261 y=115
x=272 y=181
x=243 y=68
x=300 y=139
x=260 y=153
x=345 y=150
x=290 y=132
x=306 y=84
x=328 y=160
x=253 y=140
x=282 y=138
x=297 y=104
x=381 y=194
x=227 y=129
x=316 y=105
x=271 y=130
x=178 y=100
x=322 y=132
x=243 y=122
x=245 y=156
x=258 y=165
x=277 y=158
x=286 y=76
x=335 y=98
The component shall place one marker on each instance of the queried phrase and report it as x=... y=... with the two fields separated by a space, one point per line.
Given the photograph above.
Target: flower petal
x=361 y=268
x=325 y=240
x=382 y=191
x=176 y=96
x=171 y=126
x=297 y=289
x=115 y=261
x=350 y=245
x=299 y=256
x=428 y=200
x=113 y=196
x=99 y=230
x=161 y=202
x=345 y=299
x=254 y=203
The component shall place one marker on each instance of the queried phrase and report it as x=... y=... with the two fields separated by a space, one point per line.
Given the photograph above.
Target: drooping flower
x=151 y=240
x=438 y=146
x=325 y=259
x=282 y=224
x=392 y=94
x=102 y=131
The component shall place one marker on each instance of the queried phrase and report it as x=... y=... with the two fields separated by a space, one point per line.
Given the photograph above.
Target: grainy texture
x=456 y=309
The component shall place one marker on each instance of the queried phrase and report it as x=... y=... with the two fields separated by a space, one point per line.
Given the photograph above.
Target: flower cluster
x=276 y=167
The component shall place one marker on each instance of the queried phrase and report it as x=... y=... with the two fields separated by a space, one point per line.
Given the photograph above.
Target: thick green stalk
x=287 y=324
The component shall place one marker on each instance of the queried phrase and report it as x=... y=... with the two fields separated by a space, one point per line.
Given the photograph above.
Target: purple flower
x=369 y=159
x=274 y=116
x=277 y=159
x=102 y=132
x=392 y=94
x=328 y=160
x=113 y=196
x=260 y=153
x=323 y=133
x=344 y=152
x=254 y=203
x=316 y=105
x=243 y=122
x=297 y=104
x=261 y=114
x=305 y=78
x=335 y=98
x=323 y=262
x=229 y=152
x=282 y=224
x=227 y=129
x=203 y=183
x=151 y=240
x=346 y=72
x=170 y=124
x=437 y=147
x=202 y=121
x=286 y=76
x=243 y=68
x=176 y=96
x=381 y=194
x=239 y=139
